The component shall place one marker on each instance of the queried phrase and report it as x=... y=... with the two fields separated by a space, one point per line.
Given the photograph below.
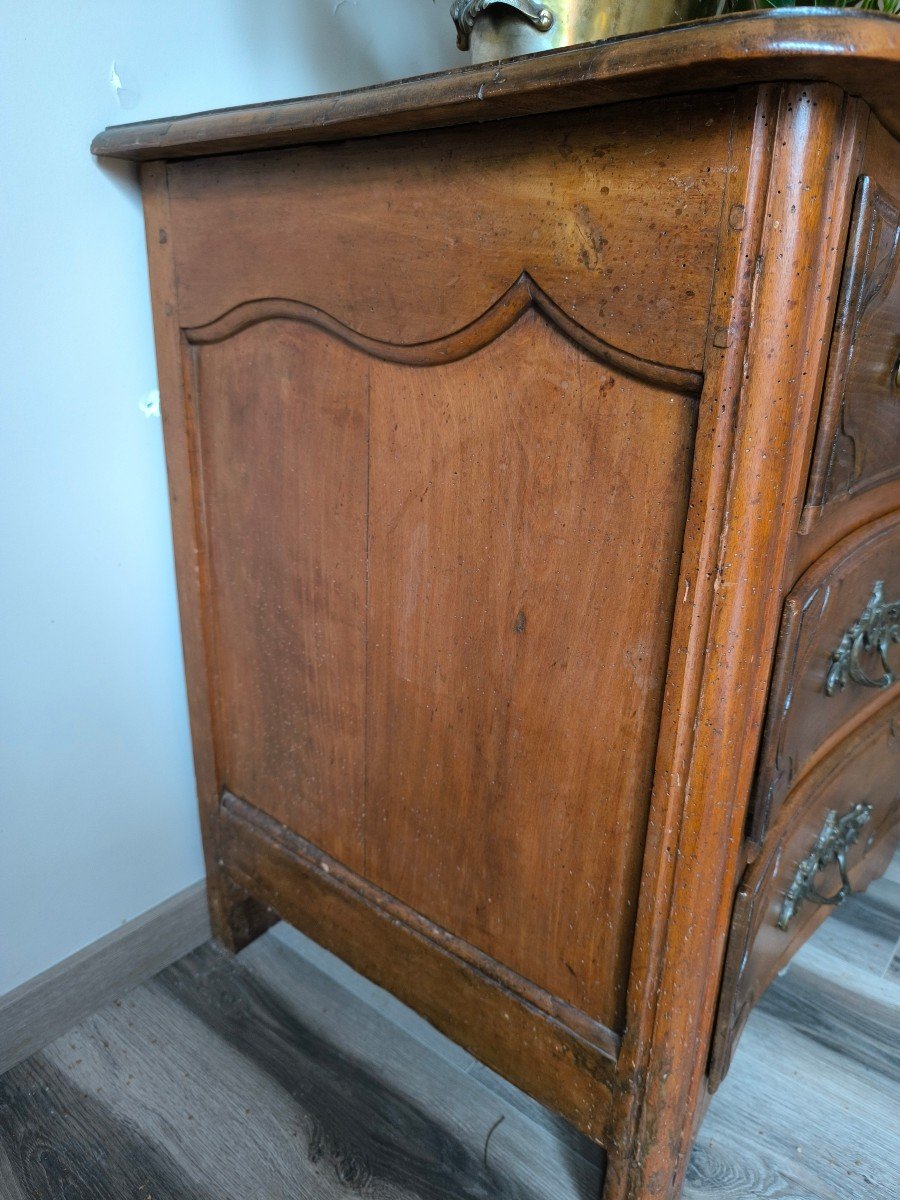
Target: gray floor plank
x=292 y=1113
x=372 y=995
x=548 y=1163
x=41 y=1009
x=864 y=934
x=795 y=1119
x=227 y=1125
x=281 y=1075
x=852 y=1024
x=377 y=1125
x=10 y=1188
x=555 y=1126
x=66 y=1143
x=891 y=875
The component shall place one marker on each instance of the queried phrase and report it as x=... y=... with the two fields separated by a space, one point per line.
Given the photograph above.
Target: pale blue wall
x=97 y=819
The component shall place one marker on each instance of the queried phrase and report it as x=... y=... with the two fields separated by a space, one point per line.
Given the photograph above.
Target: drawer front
x=836 y=657
x=858 y=442
x=836 y=835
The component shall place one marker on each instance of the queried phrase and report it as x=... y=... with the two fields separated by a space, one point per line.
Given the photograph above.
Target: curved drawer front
x=837 y=655
x=858 y=442
x=836 y=836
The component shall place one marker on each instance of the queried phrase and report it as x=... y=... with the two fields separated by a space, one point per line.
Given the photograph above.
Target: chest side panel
x=442 y=454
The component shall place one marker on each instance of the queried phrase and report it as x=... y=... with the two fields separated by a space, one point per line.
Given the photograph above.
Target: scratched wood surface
x=410 y=572
x=663 y=240
x=283 y=1074
x=409 y=239
x=511 y=534
x=855 y=50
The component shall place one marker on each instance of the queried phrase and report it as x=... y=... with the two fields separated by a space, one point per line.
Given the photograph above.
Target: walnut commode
x=533 y=433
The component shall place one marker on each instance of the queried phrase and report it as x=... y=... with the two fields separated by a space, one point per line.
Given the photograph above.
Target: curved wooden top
x=859 y=51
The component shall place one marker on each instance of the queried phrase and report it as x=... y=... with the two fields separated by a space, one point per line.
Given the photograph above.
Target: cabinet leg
x=236 y=918
x=624 y=1182
x=657 y=1171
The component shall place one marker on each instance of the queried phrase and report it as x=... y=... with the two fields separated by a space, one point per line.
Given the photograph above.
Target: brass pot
x=505 y=28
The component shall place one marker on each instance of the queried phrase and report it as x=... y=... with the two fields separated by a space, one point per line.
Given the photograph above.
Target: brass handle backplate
x=837 y=836
x=872 y=634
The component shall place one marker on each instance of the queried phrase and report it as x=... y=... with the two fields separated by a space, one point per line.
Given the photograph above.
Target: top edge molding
x=858 y=51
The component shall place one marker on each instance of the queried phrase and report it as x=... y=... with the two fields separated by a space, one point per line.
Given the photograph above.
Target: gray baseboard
x=43 y=1008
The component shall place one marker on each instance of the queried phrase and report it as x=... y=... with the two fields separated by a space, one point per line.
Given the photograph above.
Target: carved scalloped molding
x=518 y=299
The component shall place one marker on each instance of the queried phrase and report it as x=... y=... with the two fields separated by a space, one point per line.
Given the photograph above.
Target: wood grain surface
x=859 y=426
x=283 y=1076
x=527 y=508
x=405 y=652
x=281 y=413
x=530 y=407
x=526 y=1033
x=409 y=239
x=861 y=382
x=413 y=566
x=858 y=51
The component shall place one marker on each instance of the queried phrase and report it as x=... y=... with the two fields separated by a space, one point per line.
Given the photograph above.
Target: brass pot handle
x=465 y=13
x=838 y=834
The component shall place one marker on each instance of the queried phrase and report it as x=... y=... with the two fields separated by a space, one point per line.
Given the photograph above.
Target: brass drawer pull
x=872 y=633
x=838 y=834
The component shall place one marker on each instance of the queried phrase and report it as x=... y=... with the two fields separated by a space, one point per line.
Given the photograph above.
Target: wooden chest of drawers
x=534 y=446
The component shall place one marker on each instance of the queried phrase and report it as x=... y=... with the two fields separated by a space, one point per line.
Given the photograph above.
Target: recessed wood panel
x=527 y=507
x=282 y=422
x=461 y=214
x=439 y=611
x=858 y=439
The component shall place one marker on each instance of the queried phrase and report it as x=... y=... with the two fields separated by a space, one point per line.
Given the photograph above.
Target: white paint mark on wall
x=127 y=94
x=149 y=404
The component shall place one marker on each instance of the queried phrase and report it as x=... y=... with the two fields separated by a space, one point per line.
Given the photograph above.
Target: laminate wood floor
x=281 y=1075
